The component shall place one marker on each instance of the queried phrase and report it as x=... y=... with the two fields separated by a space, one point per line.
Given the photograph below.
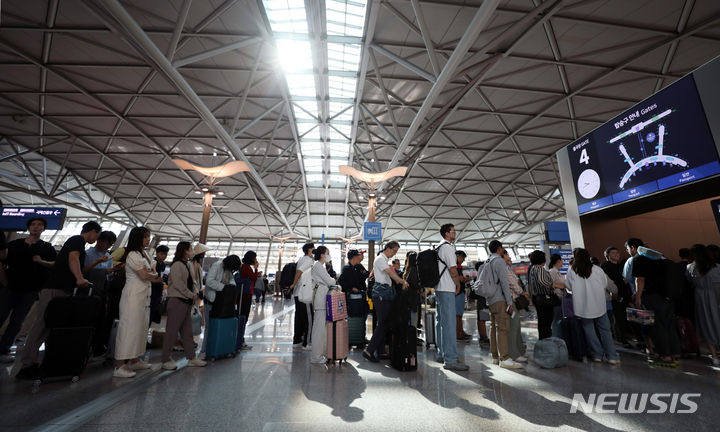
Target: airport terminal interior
x=577 y=140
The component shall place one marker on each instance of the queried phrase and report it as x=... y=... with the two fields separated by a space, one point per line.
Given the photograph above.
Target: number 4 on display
x=584 y=158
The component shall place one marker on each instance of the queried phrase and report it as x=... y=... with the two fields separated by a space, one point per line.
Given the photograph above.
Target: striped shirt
x=539 y=281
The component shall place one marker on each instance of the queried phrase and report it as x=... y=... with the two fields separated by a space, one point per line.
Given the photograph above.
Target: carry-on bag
x=222 y=337
x=574 y=337
x=429 y=325
x=357 y=305
x=337 y=341
x=72 y=322
x=640 y=316
x=356 y=331
x=403 y=349
x=688 y=339
x=550 y=353
x=225 y=303
x=336 y=307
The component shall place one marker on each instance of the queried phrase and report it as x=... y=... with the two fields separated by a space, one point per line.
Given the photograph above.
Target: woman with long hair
x=707 y=299
x=588 y=282
x=414 y=287
x=134 y=305
x=516 y=348
x=245 y=279
x=323 y=281
x=181 y=297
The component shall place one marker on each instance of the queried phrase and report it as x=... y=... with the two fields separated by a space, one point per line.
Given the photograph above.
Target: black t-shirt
x=649 y=269
x=614 y=272
x=23 y=274
x=62 y=278
x=352 y=277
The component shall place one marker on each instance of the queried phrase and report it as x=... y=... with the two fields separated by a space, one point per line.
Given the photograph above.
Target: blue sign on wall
x=15 y=218
x=372 y=231
x=566 y=255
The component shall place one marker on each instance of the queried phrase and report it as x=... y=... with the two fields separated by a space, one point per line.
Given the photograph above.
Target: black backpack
x=225 y=303
x=287 y=276
x=427 y=267
x=672 y=278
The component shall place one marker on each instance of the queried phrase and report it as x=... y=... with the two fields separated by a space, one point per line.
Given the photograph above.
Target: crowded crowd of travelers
x=646 y=302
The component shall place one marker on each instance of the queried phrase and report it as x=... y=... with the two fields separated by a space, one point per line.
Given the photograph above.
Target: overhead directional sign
x=372 y=231
x=15 y=218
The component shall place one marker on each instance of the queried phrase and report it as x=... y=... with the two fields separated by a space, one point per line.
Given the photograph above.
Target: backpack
x=306 y=292
x=486 y=284
x=287 y=276
x=427 y=267
x=671 y=279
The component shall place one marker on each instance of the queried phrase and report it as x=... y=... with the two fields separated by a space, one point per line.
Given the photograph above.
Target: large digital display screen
x=660 y=143
x=15 y=218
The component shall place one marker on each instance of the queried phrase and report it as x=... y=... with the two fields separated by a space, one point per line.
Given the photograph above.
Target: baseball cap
x=352 y=253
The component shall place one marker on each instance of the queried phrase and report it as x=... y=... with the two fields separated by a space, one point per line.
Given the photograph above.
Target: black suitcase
x=403 y=350
x=357 y=304
x=225 y=303
x=71 y=322
x=574 y=337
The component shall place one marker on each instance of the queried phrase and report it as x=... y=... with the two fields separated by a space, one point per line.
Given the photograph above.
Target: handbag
x=383 y=292
x=522 y=303
x=196 y=318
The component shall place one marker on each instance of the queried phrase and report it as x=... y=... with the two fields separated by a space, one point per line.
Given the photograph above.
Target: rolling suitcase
x=688 y=339
x=71 y=322
x=222 y=337
x=356 y=331
x=574 y=337
x=403 y=350
x=110 y=354
x=337 y=341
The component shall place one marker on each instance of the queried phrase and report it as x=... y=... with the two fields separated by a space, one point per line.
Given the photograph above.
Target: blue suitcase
x=222 y=337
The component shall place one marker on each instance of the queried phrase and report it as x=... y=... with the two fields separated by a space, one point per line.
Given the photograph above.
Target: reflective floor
x=270 y=388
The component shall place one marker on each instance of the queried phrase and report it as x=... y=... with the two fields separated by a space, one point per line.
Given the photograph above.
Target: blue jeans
x=445 y=329
x=604 y=345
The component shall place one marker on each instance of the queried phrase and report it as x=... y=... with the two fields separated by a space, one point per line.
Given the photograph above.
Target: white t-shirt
x=588 y=294
x=304 y=264
x=446 y=253
x=379 y=266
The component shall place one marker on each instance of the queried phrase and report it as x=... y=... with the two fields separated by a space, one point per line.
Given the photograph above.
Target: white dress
x=134 y=309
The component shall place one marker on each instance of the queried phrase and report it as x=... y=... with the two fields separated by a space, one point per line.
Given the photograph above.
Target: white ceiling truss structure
x=474 y=97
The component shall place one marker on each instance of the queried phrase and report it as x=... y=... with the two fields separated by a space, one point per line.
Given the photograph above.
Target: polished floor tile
x=272 y=388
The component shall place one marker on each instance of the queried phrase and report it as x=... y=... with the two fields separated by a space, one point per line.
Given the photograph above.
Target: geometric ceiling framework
x=98 y=97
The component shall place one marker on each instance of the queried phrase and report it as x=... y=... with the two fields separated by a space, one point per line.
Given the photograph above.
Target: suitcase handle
x=90 y=288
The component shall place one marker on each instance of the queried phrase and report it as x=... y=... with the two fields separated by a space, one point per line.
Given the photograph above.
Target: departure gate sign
x=372 y=231
x=15 y=218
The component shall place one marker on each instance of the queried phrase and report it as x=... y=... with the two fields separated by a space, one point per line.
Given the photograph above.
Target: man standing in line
x=446 y=290
x=303 y=312
x=501 y=307
x=460 y=300
x=65 y=276
x=98 y=267
x=28 y=261
x=613 y=268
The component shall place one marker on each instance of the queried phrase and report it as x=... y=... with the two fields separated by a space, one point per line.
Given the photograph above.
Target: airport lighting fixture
x=213 y=176
x=282 y=240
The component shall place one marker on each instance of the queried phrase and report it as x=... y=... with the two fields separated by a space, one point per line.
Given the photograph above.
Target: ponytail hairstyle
x=319 y=252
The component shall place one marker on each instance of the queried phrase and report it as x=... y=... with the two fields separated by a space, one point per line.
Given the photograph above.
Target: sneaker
x=370 y=357
x=123 y=372
x=613 y=362
x=321 y=360
x=297 y=345
x=715 y=361
x=484 y=340
x=140 y=365
x=457 y=366
x=196 y=362
x=521 y=359
x=245 y=347
x=597 y=360
x=440 y=359
x=496 y=361
x=178 y=348
x=7 y=358
x=307 y=348
x=31 y=372
x=510 y=364
x=169 y=365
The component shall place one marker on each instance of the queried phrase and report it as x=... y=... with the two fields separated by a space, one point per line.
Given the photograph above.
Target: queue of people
x=594 y=296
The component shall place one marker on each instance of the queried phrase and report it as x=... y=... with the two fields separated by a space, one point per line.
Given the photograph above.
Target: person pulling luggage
x=322 y=280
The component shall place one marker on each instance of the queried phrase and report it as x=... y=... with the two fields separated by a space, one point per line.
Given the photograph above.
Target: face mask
x=327 y=257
